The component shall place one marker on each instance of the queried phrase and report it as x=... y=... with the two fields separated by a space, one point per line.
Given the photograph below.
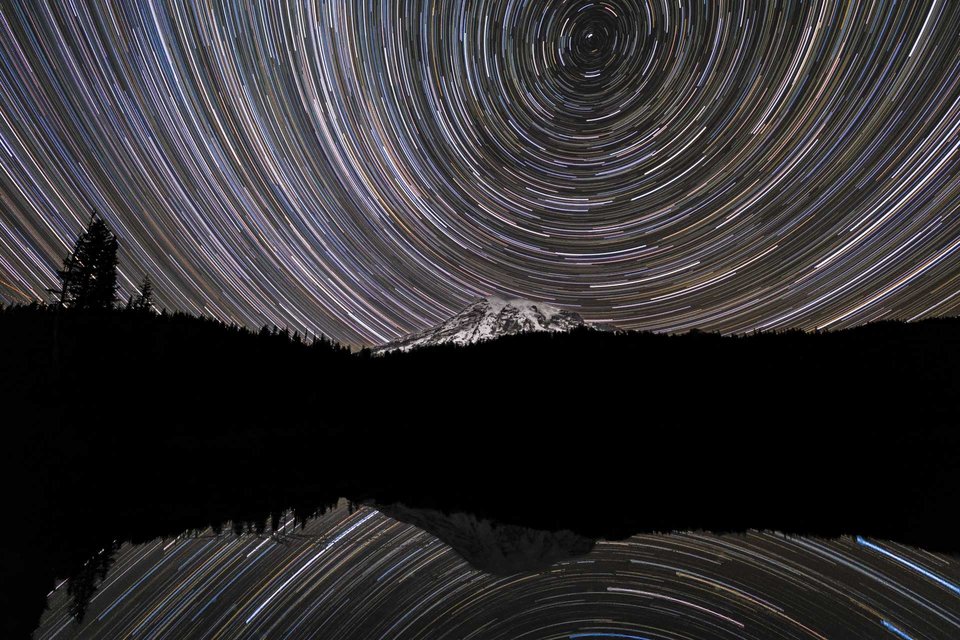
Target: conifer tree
x=144 y=299
x=88 y=279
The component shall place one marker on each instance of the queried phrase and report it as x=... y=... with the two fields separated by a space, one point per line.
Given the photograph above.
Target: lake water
x=365 y=575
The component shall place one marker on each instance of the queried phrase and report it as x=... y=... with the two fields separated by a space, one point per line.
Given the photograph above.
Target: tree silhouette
x=88 y=279
x=144 y=299
x=83 y=584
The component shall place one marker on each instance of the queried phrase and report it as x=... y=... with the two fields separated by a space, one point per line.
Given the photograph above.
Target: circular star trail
x=364 y=575
x=365 y=169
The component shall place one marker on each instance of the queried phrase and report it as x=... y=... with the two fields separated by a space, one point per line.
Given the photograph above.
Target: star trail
x=365 y=169
x=364 y=575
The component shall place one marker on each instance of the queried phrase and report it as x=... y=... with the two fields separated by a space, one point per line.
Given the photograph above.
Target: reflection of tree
x=83 y=584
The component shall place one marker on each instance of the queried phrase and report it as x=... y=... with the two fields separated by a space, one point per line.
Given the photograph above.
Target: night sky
x=366 y=169
x=366 y=576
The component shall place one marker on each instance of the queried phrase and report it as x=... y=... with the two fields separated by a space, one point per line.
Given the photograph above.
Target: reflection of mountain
x=490 y=318
x=499 y=549
x=362 y=575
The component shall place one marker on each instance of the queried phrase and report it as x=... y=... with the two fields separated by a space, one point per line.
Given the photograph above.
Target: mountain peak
x=489 y=318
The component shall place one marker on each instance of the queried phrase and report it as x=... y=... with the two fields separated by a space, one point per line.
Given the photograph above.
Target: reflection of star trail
x=364 y=169
x=929 y=574
x=364 y=575
x=896 y=631
x=303 y=568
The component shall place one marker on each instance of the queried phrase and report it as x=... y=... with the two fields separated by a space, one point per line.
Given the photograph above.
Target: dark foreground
x=130 y=426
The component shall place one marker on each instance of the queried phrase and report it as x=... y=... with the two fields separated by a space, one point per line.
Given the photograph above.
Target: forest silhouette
x=125 y=423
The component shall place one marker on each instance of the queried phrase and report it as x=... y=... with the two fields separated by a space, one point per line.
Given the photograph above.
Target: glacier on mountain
x=489 y=318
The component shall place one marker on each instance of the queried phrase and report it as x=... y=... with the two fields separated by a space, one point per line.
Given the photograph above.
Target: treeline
x=882 y=371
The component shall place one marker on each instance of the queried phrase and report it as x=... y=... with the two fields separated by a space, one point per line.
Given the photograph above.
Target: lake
x=361 y=574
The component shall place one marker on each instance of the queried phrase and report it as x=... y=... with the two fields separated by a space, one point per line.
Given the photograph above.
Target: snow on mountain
x=489 y=318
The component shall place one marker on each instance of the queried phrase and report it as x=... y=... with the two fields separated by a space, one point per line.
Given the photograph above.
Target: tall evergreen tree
x=144 y=299
x=89 y=275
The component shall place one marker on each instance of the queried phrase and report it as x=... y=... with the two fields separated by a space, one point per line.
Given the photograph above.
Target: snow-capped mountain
x=489 y=318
